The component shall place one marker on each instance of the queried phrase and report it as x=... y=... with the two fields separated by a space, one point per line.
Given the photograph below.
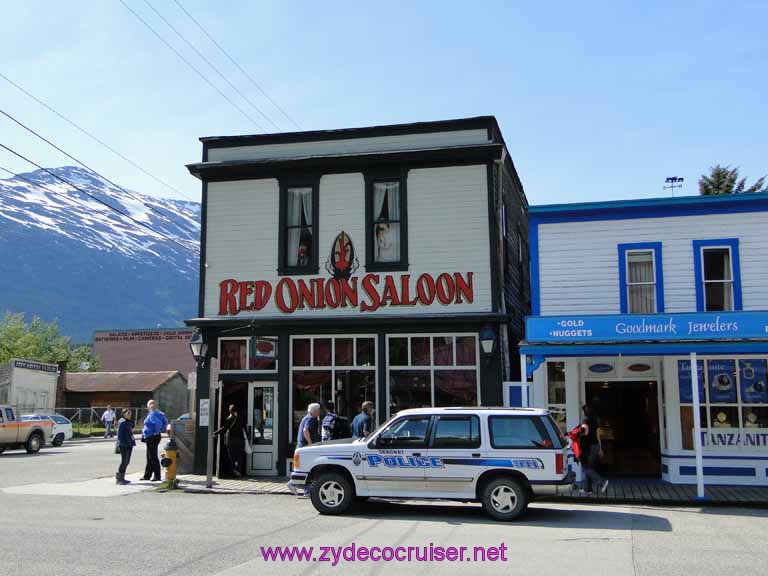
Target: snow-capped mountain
x=66 y=256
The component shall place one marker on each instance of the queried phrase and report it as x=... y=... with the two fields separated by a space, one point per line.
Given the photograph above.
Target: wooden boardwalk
x=656 y=491
x=620 y=491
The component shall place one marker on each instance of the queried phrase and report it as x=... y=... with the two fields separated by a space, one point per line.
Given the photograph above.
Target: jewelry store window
x=734 y=401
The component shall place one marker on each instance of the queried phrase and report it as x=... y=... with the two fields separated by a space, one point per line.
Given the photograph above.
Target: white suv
x=498 y=456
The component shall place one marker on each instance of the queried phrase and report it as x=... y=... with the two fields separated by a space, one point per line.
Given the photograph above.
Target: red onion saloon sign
x=368 y=293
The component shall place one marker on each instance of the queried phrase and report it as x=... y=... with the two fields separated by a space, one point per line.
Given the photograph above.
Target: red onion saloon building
x=385 y=263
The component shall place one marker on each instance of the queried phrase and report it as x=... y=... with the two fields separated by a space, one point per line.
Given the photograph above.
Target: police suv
x=498 y=456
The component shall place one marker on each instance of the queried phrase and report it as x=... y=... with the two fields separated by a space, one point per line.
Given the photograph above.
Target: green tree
x=41 y=341
x=725 y=180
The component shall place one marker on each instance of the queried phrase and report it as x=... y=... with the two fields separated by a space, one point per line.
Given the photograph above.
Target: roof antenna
x=674 y=182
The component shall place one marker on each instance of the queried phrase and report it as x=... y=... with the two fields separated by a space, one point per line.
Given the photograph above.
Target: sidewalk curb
x=674 y=503
x=224 y=491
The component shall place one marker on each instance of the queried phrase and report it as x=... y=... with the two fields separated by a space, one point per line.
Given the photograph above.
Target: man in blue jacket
x=154 y=425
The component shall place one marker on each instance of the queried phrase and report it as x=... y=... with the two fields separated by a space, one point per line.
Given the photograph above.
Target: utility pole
x=673 y=182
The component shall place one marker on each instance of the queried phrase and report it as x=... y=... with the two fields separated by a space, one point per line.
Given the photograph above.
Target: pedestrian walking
x=591 y=452
x=234 y=440
x=125 y=444
x=309 y=433
x=328 y=426
x=108 y=417
x=154 y=425
x=362 y=425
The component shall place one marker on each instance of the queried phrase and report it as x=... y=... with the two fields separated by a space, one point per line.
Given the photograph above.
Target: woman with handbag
x=591 y=452
x=234 y=440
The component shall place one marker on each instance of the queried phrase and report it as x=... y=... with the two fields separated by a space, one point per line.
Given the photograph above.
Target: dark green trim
x=493 y=236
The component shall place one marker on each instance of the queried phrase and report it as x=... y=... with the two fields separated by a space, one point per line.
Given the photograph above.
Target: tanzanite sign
x=647 y=327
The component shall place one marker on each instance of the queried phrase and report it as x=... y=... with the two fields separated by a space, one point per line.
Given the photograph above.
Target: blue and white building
x=622 y=294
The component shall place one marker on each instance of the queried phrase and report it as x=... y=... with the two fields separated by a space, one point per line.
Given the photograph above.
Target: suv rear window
x=59 y=419
x=519 y=432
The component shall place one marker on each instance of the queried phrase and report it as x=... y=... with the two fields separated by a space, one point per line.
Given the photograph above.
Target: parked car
x=15 y=433
x=182 y=417
x=62 y=426
x=501 y=457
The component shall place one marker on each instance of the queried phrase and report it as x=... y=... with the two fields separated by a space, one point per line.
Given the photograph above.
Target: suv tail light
x=559 y=463
x=295 y=460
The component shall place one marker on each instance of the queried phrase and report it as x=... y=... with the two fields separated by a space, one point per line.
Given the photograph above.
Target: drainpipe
x=504 y=327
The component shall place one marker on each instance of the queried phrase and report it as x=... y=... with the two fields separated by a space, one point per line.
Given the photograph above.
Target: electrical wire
x=192 y=66
x=237 y=65
x=94 y=137
x=84 y=165
x=96 y=198
x=211 y=64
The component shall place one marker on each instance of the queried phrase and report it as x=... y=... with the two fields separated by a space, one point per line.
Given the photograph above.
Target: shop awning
x=647 y=348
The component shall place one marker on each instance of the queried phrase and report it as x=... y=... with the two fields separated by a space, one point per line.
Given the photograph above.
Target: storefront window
x=300 y=354
x=322 y=351
x=262 y=354
x=420 y=352
x=409 y=389
x=328 y=368
x=258 y=354
x=733 y=397
x=427 y=370
x=344 y=355
x=556 y=393
x=455 y=388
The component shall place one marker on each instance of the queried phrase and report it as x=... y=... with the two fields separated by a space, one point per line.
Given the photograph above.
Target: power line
x=231 y=59
x=94 y=137
x=192 y=66
x=84 y=165
x=96 y=198
x=213 y=67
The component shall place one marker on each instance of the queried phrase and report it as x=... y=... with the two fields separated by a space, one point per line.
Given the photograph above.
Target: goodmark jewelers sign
x=651 y=327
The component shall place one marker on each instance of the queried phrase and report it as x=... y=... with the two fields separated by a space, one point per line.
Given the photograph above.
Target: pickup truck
x=14 y=433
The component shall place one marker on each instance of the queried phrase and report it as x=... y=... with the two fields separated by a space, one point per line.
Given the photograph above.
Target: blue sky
x=596 y=101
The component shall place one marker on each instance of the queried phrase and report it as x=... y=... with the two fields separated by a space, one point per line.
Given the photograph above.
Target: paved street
x=197 y=534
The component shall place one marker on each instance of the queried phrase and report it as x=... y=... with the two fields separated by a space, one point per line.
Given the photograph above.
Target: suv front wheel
x=505 y=499
x=331 y=493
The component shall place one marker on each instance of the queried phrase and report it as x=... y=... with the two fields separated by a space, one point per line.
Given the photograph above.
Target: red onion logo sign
x=342 y=262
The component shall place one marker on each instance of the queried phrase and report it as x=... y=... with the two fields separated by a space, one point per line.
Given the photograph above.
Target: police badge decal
x=357 y=458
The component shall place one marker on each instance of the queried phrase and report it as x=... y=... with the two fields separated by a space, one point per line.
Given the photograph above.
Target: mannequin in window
x=751 y=421
x=385 y=247
x=721 y=421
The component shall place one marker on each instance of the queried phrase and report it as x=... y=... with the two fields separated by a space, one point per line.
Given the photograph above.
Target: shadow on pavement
x=537 y=515
x=23 y=454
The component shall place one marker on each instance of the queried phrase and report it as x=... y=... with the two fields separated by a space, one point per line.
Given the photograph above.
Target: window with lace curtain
x=640 y=278
x=298 y=230
x=386 y=237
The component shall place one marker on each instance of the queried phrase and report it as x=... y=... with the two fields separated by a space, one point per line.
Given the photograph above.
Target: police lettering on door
x=404 y=461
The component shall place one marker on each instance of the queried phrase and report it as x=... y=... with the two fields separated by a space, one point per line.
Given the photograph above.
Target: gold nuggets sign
x=368 y=293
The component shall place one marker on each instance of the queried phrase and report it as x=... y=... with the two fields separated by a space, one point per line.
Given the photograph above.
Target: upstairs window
x=718 y=279
x=298 y=229
x=640 y=278
x=387 y=233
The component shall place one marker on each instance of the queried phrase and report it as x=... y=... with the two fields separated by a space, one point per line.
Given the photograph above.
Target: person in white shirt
x=109 y=420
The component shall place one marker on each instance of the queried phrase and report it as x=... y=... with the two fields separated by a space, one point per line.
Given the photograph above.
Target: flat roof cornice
x=473 y=123
x=336 y=163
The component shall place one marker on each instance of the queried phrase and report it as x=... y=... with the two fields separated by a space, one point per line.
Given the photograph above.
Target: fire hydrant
x=170 y=457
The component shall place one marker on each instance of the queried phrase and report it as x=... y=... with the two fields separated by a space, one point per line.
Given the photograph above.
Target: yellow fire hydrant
x=170 y=457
